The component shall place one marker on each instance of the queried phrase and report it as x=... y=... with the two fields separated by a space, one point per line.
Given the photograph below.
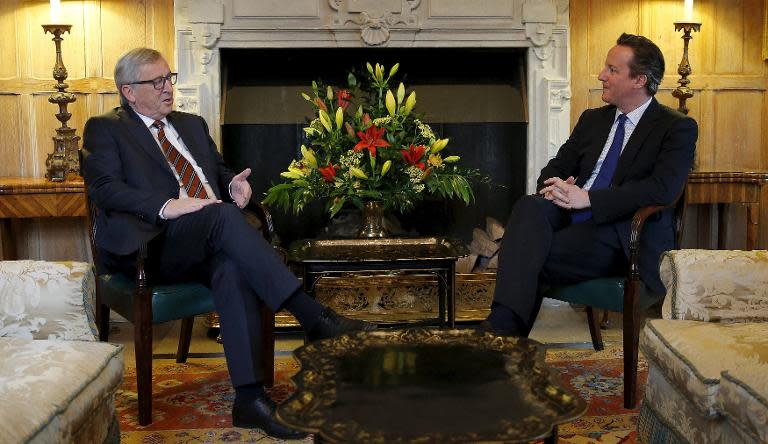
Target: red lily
x=370 y=139
x=342 y=97
x=413 y=155
x=328 y=172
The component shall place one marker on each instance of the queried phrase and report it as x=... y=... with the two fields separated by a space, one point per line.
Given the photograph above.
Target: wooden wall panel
x=101 y=31
x=729 y=77
x=738 y=131
x=8 y=42
x=10 y=134
x=130 y=18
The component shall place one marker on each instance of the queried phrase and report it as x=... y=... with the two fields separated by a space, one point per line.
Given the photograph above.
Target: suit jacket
x=129 y=179
x=652 y=170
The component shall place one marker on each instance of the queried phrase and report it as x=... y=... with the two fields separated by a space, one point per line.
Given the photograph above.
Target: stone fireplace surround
x=204 y=27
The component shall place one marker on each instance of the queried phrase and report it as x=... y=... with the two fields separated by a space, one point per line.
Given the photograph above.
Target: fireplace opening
x=474 y=96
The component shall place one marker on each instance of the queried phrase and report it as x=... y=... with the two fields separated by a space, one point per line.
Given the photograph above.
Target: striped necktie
x=189 y=180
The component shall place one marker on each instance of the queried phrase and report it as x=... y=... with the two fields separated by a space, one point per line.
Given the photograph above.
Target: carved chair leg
x=268 y=344
x=103 y=320
x=185 y=337
x=143 y=345
x=631 y=334
x=594 y=329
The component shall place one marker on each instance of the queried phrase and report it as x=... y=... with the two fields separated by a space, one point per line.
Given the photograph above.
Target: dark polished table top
x=427 y=386
x=391 y=249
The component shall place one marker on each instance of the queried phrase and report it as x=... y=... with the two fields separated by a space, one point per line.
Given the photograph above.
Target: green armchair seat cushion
x=604 y=293
x=169 y=302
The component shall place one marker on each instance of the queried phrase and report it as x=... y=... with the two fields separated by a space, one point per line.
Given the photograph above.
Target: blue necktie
x=607 y=169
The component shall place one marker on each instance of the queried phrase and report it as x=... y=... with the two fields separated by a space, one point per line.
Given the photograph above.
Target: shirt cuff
x=162 y=209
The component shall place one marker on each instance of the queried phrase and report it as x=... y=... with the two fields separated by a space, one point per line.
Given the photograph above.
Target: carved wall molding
x=375 y=18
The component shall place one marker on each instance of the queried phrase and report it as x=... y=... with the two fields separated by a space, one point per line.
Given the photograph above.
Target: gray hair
x=128 y=66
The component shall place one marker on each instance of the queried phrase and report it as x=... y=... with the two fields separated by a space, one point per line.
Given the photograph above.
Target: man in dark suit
x=156 y=177
x=629 y=154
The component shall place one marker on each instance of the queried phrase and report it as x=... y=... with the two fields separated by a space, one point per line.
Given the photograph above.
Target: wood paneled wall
x=101 y=31
x=729 y=78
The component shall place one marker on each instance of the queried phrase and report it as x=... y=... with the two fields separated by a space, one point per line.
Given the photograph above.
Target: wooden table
x=723 y=188
x=26 y=197
x=322 y=258
x=427 y=386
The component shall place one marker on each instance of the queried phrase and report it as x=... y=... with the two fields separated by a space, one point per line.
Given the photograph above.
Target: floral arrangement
x=380 y=151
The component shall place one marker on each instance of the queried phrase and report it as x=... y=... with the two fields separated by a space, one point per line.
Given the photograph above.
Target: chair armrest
x=715 y=285
x=638 y=221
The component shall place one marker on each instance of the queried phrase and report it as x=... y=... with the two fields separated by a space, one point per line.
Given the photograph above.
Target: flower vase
x=372 y=222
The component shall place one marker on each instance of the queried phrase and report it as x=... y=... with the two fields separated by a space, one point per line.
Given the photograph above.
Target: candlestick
x=683 y=92
x=63 y=161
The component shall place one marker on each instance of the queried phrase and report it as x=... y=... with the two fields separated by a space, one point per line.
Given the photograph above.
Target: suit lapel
x=144 y=137
x=635 y=141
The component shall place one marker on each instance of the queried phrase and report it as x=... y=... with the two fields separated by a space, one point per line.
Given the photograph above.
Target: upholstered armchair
x=57 y=384
x=708 y=355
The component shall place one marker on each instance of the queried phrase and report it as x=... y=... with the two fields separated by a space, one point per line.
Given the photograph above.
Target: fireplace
x=221 y=42
x=473 y=96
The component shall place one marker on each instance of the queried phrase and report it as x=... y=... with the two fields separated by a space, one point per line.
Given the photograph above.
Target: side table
x=427 y=386
x=729 y=188
x=25 y=197
x=339 y=257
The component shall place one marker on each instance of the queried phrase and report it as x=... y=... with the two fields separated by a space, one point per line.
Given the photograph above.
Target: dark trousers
x=217 y=247
x=541 y=247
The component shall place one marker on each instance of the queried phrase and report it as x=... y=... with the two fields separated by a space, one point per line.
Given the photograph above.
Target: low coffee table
x=427 y=386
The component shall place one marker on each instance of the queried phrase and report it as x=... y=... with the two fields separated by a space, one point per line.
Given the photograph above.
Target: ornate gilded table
x=352 y=258
x=427 y=386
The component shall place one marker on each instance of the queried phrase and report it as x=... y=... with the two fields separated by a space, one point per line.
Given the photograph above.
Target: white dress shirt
x=633 y=118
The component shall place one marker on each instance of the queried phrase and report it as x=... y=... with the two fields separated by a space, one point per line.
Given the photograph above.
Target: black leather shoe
x=331 y=325
x=260 y=414
x=486 y=327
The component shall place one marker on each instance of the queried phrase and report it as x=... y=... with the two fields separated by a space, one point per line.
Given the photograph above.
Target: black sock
x=503 y=318
x=304 y=308
x=249 y=392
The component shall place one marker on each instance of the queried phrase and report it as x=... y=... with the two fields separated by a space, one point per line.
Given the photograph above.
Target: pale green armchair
x=57 y=383
x=708 y=355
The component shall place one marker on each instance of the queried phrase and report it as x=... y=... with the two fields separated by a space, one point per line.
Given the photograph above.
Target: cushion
x=605 y=293
x=743 y=394
x=692 y=354
x=57 y=391
x=47 y=300
x=169 y=302
x=666 y=416
x=715 y=285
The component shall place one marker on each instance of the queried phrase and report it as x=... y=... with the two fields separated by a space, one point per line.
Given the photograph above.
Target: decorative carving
x=375 y=17
x=538 y=19
x=187 y=103
x=558 y=95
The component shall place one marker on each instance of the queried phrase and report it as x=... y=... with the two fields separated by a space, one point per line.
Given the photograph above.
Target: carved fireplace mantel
x=203 y=27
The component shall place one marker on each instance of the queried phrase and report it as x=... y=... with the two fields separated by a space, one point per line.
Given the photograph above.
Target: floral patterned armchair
x=708 y=355
x=57 y=383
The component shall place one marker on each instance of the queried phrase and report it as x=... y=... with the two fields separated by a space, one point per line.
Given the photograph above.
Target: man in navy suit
x=156 y=177
x=632 y=153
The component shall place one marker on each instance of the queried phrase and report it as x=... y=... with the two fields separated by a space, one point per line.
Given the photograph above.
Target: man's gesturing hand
x=565 y=194
x=180 y=207
x=240 y=188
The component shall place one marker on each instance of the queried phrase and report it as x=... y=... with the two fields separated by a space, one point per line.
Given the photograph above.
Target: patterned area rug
x=192 y=401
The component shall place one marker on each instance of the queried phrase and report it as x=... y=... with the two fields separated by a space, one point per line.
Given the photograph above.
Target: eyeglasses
x=159 y=82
